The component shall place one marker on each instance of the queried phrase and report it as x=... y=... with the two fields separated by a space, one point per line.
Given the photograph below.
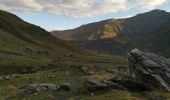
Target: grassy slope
x=17 y=36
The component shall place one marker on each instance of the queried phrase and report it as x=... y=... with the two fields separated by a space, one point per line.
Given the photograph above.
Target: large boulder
x=117 y=81
x=150 y=68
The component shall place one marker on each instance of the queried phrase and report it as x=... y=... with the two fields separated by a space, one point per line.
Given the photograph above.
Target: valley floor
x=73 y=74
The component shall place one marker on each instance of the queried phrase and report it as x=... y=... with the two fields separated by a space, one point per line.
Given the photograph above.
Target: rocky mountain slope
x=147 y=31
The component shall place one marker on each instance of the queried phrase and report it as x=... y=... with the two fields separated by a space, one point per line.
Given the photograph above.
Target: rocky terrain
x=148 y=71
x=145 y=77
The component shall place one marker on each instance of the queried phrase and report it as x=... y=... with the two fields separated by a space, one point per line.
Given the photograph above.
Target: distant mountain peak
x=159 y=11
x=156 y=12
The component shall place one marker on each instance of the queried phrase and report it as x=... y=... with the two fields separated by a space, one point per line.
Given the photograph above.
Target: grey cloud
x=77 y=8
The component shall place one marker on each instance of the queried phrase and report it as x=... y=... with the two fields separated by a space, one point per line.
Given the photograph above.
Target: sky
x=68 y=14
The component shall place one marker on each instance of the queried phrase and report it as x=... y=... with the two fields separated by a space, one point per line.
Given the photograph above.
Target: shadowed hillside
x=146 y=31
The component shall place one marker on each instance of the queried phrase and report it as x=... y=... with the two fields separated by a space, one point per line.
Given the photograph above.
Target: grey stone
x=150 y=68
x=31 y=88
x=94 y=85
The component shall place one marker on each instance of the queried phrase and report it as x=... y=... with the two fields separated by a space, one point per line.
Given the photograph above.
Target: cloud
x=20 y=5
x=77 y=8
x=55 y=28
x=128 y=16
x=147 y=4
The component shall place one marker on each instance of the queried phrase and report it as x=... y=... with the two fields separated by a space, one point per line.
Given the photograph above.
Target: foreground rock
x=118 y=81
x=31 y=88
x=94 y=85
x=150 y=68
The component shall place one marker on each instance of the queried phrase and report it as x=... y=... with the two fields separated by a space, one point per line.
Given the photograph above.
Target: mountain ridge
x=111 y=28
x=145 y=31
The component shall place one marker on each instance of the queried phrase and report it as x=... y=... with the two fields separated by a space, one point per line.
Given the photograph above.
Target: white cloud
x=146 y=4
x=128 y=16
x=52 y=28
x=20 y=5
x=77 y=8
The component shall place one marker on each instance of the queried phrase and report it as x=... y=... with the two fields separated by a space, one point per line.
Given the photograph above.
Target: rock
x=6 y=77
x=46 y=87
x=150 y=68
x=27 y=89
x=116 y=81
x=94 y=85
x=131 y=85
x=31 y=88
x=1 y=78
x=51 y=97
x=114 y=85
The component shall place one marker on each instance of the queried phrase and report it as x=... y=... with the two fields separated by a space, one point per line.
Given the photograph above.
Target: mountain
x=25 y=44
x=20 y=34
x=111 y=28
x=146 y=31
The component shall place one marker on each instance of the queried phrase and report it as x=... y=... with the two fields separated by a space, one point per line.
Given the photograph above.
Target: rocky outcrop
x=150 y=68
x=127 y=84
x=118 y=81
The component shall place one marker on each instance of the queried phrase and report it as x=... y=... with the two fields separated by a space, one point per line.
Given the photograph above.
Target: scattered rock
x=27 y=89
x=32 y=88
x=46 y=87
x=150 y=69
x=94 y=85
x=1 y=78
x=115 y=86
x=5 y=77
